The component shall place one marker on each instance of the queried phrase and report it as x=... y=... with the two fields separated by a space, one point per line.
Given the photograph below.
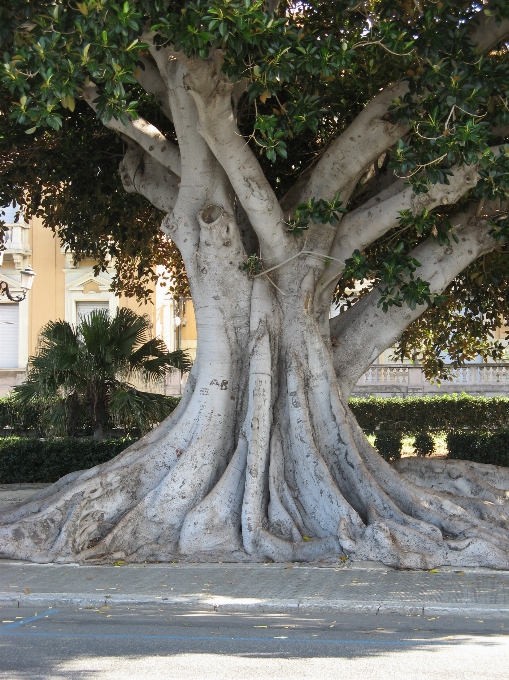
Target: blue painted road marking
x=17 y=624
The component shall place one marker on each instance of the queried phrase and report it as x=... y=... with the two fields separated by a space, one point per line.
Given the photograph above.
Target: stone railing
x=172 y=385
x=397 y=380
x=16 y=244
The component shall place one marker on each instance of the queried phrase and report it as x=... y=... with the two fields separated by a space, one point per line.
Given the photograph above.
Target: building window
x=9 y=335
x=84 y=309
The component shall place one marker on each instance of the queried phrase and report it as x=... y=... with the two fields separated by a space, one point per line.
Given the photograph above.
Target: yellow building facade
x=62 y=290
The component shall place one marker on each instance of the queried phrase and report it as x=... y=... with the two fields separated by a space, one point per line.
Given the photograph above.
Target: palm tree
x=93 y=365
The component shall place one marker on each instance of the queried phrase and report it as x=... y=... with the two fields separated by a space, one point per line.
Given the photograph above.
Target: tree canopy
x=304 y=72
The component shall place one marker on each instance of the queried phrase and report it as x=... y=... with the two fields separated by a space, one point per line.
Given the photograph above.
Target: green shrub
x=480 y=447
x=388 y=445
x=28 y=460
x=447 y=413
x=34 y=418
x=21 y=418
x=424 y=444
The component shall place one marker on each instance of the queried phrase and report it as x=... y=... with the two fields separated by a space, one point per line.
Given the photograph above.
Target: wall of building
x=46 y=300
x=60 y=289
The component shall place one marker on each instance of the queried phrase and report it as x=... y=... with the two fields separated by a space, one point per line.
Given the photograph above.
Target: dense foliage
x=309 y=69
x=26 y=460
x=491 y=448
x=415 y=415
x=92 y=368
x=70 y=178
x=35 y=419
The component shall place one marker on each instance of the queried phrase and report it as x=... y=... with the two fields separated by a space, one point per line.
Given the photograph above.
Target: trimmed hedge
x=30 y=418
x=388 y=445
x=480 y=447
x=28 y=460
x=406 y=416
x=448 y=413
x=477 y=429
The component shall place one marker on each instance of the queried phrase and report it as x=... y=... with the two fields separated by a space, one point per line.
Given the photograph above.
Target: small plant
x=424 y=444
x=318 y=211
x=253 y=265
x=388 y=445
x=93 y=366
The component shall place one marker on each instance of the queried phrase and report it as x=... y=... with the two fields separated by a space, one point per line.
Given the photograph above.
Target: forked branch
x=347 y=158
x=212 y=91
x=364 y=331
x=143 y=133
x=370 y=134
x=142 y=174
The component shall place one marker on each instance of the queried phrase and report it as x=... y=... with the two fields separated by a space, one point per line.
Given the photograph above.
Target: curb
x=257 y=606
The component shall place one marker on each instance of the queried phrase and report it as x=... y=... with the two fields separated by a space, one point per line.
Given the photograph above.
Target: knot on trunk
x=218 y=226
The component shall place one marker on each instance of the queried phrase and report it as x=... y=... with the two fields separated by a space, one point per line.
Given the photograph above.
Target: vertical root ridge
x=214 y=524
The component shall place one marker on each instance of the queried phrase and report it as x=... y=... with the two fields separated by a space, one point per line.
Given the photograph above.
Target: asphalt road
x=140 y=642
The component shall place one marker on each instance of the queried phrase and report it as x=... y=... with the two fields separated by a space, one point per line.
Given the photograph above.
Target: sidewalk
x=10 y=494
x=357 y=587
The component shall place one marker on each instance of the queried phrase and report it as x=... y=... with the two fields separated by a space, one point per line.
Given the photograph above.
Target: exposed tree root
x=459 y=477
x=294 y=479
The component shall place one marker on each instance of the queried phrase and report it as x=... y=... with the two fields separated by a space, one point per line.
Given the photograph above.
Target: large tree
x=303 y=144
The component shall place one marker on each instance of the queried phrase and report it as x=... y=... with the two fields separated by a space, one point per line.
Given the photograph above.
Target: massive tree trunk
x=263 y=459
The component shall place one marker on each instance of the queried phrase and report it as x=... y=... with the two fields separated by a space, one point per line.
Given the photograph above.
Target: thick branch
x=203 y=181
x=142 y=174
x=364 y=331
x=211 y=91
x=370 y=134
x=347 y=158
x=366 y=224
x=151 y=81
x=143 y=133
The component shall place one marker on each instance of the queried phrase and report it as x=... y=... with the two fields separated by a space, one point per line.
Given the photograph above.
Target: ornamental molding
x=77 y=285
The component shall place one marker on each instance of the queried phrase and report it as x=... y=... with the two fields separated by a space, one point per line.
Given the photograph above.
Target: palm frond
x=92 y=362
x=133 y=409
x=27 y=391
x=128 y=330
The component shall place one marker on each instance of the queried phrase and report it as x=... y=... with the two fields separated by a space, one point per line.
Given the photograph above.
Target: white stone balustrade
x=401 y=380
x=16 y=243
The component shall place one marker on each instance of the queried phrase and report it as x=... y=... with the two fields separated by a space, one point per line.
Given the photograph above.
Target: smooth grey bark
x=364 y=331
x=263 y=458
